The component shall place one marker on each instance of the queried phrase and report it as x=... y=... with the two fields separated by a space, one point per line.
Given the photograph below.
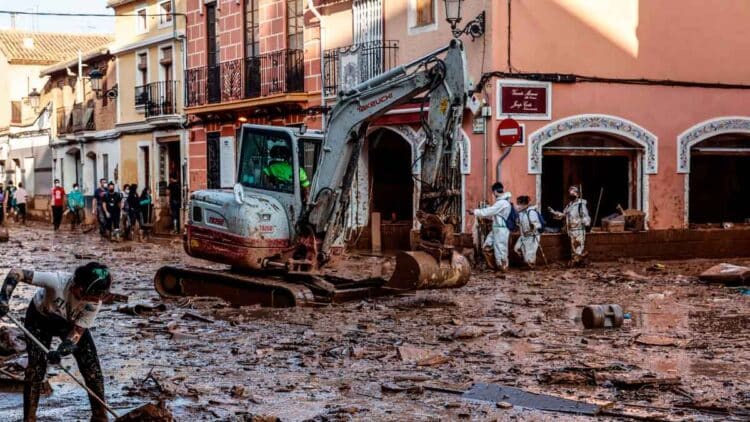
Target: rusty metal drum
x=602 y=316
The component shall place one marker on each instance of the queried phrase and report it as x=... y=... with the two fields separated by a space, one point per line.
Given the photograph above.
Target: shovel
x=148 y=412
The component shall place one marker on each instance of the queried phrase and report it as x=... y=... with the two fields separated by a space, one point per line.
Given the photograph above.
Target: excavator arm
x=441 y=75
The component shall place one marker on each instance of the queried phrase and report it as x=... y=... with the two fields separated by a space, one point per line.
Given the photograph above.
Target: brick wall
x=231 y=30
x=196 y=35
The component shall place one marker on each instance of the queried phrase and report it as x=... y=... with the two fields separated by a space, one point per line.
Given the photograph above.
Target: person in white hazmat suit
x=576 y=215
x=530 y=225
x=497 y=240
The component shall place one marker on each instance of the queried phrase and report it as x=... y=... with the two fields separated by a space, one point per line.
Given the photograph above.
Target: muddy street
x=681 y=354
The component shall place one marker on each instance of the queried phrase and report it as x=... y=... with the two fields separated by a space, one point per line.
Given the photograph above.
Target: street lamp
x=34 y=97
x=453 y=13
x=475 y=27
x=95 y=77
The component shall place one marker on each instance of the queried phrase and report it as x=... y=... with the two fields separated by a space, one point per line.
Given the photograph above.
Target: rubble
x=416 y=354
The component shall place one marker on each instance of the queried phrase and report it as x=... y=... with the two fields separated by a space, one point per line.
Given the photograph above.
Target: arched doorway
x=392 y=186
x=604 y=165
x=714 y=156
x=717 y=184
x=70 y=168
x=594 y=150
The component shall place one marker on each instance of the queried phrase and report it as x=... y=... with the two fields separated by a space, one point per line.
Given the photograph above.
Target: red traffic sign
x=508 y=132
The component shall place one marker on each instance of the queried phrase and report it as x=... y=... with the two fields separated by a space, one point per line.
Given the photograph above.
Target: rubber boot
x=489 y=258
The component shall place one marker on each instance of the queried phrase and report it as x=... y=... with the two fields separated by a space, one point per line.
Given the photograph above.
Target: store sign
x=524 y=100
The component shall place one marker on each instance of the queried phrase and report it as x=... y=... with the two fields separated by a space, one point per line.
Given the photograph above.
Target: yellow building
x=149 y=51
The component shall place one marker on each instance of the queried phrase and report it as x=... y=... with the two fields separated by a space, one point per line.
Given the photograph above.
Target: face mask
x=572 y=197
x=75 y=188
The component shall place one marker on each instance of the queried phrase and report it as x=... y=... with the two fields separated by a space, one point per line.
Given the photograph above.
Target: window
x=15 y=111
x=266 y=161
x=425 y=12
x=165 y=10
x=309 y=149
x=252 y=43
x=141 y=23
x=143 y=68
x=422 y=16
x=166 y=63
x=294 y=23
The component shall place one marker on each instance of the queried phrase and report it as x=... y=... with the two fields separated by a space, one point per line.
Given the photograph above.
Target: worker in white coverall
x=497 y=240
x=530 y=225
x=577 y=218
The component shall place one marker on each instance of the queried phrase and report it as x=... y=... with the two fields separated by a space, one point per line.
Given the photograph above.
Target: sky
x=58 y=23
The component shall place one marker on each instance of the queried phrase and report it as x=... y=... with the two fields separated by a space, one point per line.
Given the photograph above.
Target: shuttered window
x=15 y=111
x=294 y=23
x=425 y=12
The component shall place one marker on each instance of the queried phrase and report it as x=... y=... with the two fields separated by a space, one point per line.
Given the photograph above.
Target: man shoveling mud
x=65 y=307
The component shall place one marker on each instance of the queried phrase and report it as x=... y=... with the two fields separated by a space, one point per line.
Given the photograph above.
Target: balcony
x=157 y=98
x=279 y=72
x=77 y=118
x=348 y=66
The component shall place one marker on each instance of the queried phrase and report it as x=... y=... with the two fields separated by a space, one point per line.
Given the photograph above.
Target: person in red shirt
x=58 y=200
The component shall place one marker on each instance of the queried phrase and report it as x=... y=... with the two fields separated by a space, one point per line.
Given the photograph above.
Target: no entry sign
x=508 y=132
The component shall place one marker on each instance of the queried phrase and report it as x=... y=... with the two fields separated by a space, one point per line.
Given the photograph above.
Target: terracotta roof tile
x=47 y=47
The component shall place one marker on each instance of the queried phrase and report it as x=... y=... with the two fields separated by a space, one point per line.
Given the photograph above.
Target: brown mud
x=682 y=355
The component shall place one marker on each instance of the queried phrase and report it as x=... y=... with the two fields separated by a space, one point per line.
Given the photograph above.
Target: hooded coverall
x=577 y=218
x=528 y=243
x=498 y=238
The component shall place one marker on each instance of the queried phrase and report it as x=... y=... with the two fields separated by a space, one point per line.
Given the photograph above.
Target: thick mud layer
x=681 y=354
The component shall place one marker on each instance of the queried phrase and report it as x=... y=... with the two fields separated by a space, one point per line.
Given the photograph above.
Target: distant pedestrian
x=174 y=191
x=495 y=247
x=2 y=204
x=530 y=225
x=10 y=200
x=576 y=215
x=145 y=204
x=76 y=206
x=113 y=203
x=98 y=208
x=133 y=216
x=58 y=200
x=20 y=197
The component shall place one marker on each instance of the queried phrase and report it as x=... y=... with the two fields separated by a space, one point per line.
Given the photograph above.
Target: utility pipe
x=317 y=14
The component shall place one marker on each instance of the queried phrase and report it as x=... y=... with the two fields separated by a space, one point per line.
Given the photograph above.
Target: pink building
x=643 y=103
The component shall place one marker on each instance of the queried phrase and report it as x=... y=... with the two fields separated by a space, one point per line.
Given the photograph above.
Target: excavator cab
x=254 y=223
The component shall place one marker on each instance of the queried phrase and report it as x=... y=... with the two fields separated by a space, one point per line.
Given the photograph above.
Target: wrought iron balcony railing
x=77 y=118
x=346 y=67
x=268 y=74
x=158 y=98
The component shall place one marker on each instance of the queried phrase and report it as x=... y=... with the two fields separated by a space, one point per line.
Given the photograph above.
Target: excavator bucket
x=419 y=270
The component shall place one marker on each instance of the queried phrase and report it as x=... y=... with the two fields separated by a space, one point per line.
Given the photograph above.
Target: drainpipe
x=317 y=14
x=500 y=162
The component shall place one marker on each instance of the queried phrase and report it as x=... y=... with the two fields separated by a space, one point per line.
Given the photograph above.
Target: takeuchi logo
x=379 y=100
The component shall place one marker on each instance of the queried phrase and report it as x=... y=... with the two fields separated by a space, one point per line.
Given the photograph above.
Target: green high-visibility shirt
x=282 y=171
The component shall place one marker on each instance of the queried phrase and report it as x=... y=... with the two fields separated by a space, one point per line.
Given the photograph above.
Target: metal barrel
x=602 y=316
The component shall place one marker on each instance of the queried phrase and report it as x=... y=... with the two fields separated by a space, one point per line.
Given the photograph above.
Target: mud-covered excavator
x=283 y=225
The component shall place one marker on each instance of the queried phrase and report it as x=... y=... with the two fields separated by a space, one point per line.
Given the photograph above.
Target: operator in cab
x=280 y=170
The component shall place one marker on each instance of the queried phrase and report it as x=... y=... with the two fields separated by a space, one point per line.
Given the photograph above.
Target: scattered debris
x=148 y=413
x=517 y=397
x=655 y=340
x=729 y=274
x=4 y=235
x=467 y=332
x=197 y=317
x=10 y=343
x=647 y=380
x=142 y=309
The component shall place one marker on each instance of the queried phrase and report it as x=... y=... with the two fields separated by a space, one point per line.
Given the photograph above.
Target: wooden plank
x=377 y=244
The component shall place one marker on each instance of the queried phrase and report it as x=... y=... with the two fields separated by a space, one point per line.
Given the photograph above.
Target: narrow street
x=681 y=354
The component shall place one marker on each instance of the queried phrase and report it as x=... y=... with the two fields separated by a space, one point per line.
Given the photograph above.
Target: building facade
x=247 y=61
x=150 y=53
x=26 y=129
x=84 y=142
x=619 y=97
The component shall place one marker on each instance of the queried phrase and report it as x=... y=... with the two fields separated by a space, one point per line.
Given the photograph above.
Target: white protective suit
x=498 y=238
x=576 y=215
x=530 y=226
